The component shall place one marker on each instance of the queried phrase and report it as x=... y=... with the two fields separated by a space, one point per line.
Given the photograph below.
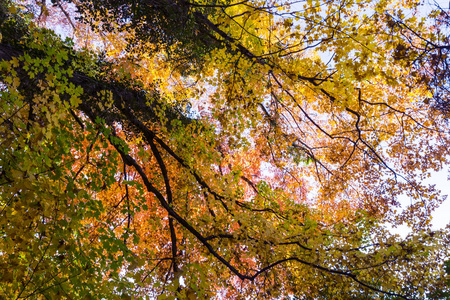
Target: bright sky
x=441 y=216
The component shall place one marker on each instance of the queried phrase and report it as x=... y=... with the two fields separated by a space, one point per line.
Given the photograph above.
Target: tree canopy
x=220 y=149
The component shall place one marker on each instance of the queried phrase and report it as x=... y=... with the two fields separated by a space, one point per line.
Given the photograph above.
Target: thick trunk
x=145 y=105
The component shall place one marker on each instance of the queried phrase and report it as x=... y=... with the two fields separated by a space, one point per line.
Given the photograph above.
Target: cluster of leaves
x=433 y=62
x=46 y=206
x=278 y=184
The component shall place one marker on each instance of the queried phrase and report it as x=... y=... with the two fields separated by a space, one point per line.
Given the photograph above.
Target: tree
x=211 y=151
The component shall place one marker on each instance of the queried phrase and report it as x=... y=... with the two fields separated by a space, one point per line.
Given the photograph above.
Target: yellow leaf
x=16 y=174
x=12 y=9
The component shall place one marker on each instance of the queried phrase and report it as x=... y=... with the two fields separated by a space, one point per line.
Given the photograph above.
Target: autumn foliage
x=221 y=149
